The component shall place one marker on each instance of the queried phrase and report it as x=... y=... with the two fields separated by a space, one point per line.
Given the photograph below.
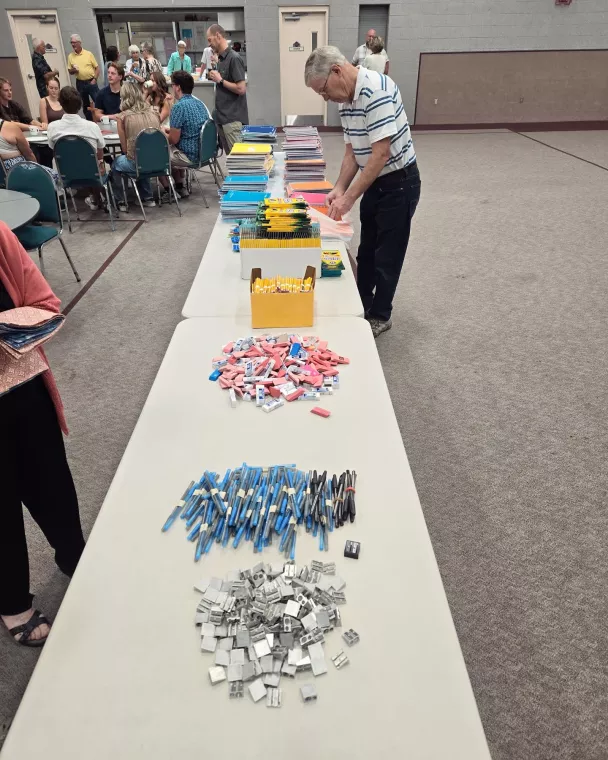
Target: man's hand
x=93 y=81
x=340 y=206
x=334 y=195
x=215 y=76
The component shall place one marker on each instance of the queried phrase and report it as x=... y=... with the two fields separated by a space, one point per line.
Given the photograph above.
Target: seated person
x=12 y=111
x=50 y=107
x=107 y=100
x=14 y=148
x=158 y=96
x=135 y=115
x=71 y=123
x=186 y=121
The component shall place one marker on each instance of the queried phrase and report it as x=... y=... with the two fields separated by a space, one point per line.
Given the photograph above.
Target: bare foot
x=11 y=621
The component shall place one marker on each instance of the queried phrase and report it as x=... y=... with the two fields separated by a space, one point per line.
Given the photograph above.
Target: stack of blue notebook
x=255 y=183
x=258 y=133
x=237 y=204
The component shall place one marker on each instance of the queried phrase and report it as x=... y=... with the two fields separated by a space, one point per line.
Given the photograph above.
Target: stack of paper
x=258 y=134
x=303 y=154
x=236 y=204
x=246 y=158
x=251 y=183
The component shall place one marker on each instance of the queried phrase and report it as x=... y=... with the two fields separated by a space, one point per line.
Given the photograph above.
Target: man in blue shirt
x=187 y=118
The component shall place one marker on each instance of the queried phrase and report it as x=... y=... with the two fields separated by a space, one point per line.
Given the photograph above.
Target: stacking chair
x=32 y=179
x=208 y=152
x=152 y=159
x=76 y=161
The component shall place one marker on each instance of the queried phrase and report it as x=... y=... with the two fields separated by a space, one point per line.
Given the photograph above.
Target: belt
x=397 y=176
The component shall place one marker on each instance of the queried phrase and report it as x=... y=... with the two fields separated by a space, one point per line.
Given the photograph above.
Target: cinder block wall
x=415 y=26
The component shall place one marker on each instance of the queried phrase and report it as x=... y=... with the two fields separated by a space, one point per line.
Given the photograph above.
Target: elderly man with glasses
x=83 y=65
x=379 y=164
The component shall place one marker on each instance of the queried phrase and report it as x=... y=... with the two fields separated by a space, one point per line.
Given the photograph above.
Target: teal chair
x=208 y=152
x=33 y=180
x=2 y=174
x=77 y=165
x=152 y=160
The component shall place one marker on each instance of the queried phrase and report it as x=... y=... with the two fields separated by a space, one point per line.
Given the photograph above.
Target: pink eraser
x=322 y=345
x=228 y=347
x=295 y=394
x=320 y=412
x=275 y=392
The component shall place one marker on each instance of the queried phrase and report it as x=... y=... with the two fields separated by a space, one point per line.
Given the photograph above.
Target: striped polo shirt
x=375 y=113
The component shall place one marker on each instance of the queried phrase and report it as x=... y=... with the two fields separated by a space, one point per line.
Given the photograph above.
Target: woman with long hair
x=135 y=115
x=50 y=107
x=159 y=97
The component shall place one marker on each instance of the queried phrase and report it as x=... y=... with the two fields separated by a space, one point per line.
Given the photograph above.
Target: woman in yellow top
x=135 y=115
x=82 y=64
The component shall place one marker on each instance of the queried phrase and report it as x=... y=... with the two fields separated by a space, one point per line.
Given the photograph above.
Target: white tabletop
x=219 y=291
x=41 y=138
x=122 y=676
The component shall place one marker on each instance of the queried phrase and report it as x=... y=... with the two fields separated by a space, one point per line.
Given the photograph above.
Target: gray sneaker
x=379 y=325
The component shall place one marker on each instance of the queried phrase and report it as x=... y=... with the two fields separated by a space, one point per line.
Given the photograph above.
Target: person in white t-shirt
x=374 y=60
x=206 y=61
x=71 y=123
x=363 y=51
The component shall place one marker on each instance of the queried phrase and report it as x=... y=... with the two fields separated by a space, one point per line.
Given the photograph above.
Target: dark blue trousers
x=387 y=208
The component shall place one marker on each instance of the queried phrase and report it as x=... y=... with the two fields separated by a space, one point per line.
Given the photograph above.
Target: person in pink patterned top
x=34 y=471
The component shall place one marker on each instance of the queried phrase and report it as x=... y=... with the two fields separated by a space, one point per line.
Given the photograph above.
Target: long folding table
x=122 y=675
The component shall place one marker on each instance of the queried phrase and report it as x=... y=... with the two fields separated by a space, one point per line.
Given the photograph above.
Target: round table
x=17 y=209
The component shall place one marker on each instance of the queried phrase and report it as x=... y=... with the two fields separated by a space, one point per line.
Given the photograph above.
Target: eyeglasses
x=323 y=90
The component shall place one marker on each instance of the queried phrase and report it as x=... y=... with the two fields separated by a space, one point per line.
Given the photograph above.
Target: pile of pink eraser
x=272 y=370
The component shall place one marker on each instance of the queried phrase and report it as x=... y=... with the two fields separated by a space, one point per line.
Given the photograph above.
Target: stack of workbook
x=258 y=133
x=236 y=204
x=255 y=183
x=303 y=154
x=247 y=158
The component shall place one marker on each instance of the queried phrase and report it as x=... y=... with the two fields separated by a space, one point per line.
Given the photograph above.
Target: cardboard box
x=282 y=309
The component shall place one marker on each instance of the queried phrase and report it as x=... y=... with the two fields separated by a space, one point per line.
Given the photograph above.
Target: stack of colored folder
x=303 y=154
x=236 y=204
x=250 y=183
x=246 y=158
x=315 y=186
x=258 y=134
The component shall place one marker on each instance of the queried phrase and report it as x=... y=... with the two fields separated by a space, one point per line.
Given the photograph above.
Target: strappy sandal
x=27 y=629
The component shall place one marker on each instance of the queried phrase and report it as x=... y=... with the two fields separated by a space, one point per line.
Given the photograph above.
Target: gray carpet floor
x=497 y=367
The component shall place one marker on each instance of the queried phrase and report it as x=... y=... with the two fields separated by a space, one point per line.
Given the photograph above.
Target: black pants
x=33 y=471
x=87 y=90
x=44 y=154
x=387 y=208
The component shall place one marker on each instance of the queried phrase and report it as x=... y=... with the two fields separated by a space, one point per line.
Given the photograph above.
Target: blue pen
x=194 y=532
x=177 y=509
x=214 y=491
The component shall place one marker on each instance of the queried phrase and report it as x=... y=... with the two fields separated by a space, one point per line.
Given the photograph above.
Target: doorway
x=26 y=26
x=301 y=30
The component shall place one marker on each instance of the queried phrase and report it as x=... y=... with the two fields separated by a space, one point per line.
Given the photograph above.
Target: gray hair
x=75 y=38
x=181 y=43
x=320 y=61
x=36 y=42
x=133 y=49
x=148 y=47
